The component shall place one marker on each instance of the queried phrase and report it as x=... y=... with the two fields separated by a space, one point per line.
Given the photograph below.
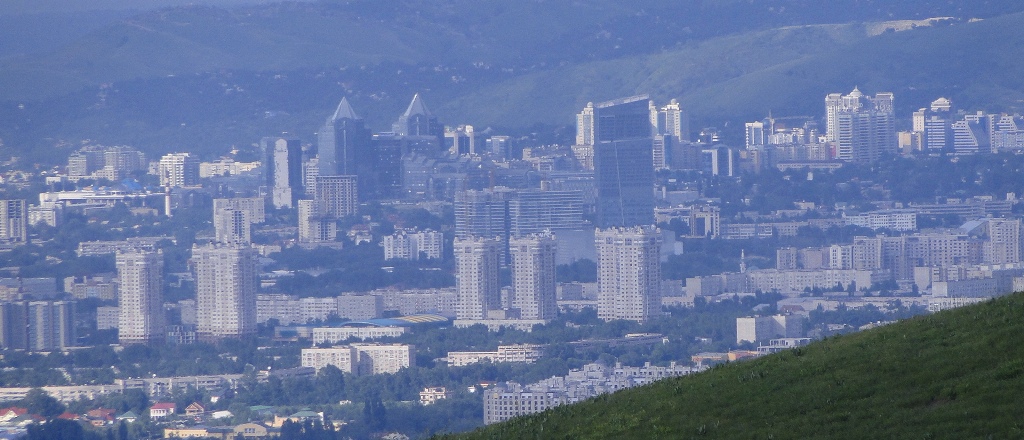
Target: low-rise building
x=430 y=395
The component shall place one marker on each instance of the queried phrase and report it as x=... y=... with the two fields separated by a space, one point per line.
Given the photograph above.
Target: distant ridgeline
x=954 y=374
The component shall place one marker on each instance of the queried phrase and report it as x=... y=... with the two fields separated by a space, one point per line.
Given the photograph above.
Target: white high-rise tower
x=628 y=273
x=533 y=276
x=141 y=306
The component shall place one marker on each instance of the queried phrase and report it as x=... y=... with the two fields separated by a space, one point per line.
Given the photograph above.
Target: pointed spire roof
x=344 y=111
x=417 y=107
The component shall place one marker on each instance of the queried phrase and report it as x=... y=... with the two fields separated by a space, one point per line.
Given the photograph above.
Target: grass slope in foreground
x=954 y=374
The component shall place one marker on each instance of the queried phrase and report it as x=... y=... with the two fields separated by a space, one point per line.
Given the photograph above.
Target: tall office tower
x=226 y=280
x=179 y=169
x=533 y=276
x=476 y=277
x=232 y=226
x=282 y=159
x=1002 y=244
x=623 y=162
x=861 y=127
x=13 y=221
x=314 y=226
x=343 y=142
x=50 y=325
x=140 y=302
x=336 y=196
x=628 y=273
x=417 y=121
x=670 y=120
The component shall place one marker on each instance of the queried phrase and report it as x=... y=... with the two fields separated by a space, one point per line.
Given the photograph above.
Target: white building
x=178 y=169
x=362 y=359
x=534 y=286
x=226 y=279
x=764 y=328
x=525 y=353
x=476 y=261
x=140 y=303
x=255 y=206
x=359 y=307
x=412 y=245
x=314 y=225
x=629 y=273
x=333 y=335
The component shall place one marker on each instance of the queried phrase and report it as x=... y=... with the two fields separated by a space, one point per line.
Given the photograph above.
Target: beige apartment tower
x=141 y=300
x=533 y=276
x=226 y=280
x=628 y=273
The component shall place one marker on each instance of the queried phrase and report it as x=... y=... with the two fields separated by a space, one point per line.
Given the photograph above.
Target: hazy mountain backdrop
x=208 y=76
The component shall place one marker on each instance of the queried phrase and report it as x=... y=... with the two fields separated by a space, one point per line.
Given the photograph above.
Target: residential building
x=413 y=245
x=282 y=165
x=336 y=195
x=140 y=305
x=479 y=291
x=226 y=279
x=629 y=273
x=763 y=328
x=862 y=128
x=178 y=169
x=13 y=222
x=232 y=226
x=255 y=206
x=314 y=225
x=533 y=276
x=362 y=359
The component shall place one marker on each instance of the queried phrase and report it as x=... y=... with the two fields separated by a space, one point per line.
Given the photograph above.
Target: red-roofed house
x=68 y=416
x=12 y=412
x=101 y=413
x=161 y=409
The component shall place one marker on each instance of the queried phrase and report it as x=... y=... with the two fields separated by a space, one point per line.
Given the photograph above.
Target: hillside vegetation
x=955 y=374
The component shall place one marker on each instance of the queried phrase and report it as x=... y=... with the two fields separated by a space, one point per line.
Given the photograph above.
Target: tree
x=39 y=402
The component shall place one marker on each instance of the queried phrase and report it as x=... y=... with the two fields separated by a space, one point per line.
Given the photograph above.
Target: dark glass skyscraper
x=623 y=162
x=345 y=147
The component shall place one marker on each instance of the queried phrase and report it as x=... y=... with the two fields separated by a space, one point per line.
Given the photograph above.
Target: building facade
x=226 y=279
x=629 y=273
x=140 y=305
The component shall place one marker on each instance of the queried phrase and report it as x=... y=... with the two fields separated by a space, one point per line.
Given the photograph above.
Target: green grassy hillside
x=956 y=374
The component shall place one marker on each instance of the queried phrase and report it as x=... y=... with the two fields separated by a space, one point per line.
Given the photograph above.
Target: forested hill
x=955 y=374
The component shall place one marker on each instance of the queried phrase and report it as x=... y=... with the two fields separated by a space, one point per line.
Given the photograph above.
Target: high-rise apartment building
x=862 y=128
x=179 y=169
x=624 y=162
x=628 y=273
x=476 y=277
x=13 y=221
x=226 y=279
x=232 y=226
x=336 y=195
x=314 y=226
x=282 y=159
x=255 y=206
x=670 y=120
x=140 y=302
x=413 y=245
x=533 y=276
x=37 y=325
x=1002 y=244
